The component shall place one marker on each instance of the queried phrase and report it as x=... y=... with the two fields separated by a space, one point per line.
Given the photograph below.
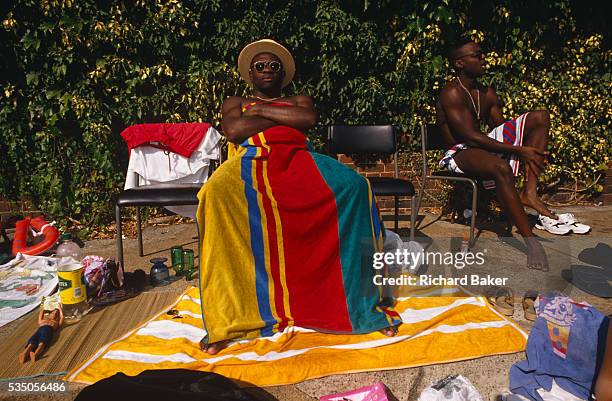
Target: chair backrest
x=432 y=137
x=361 y=139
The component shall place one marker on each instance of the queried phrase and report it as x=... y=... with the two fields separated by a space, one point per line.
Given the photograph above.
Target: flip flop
x=528 y=305
x=502 y=300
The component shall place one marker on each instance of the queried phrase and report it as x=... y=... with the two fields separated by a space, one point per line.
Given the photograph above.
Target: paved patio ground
x=505 y=258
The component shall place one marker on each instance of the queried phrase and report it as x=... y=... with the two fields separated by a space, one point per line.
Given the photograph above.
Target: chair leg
x=474 y=211
x=396 y=225
x=413 y=216
x=119 y=234
x=139 y=231
x=420 y=198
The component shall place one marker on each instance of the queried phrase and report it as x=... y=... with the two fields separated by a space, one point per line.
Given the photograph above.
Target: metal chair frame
x=413 y=198
x=444 y=175
x=138 y=205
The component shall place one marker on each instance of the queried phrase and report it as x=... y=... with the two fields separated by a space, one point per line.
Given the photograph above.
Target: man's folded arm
x=459 y=121
x=301 y=116
x=238 y=127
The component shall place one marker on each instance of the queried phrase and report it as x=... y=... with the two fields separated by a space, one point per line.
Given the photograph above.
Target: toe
x=212 y=349
x=389 y=331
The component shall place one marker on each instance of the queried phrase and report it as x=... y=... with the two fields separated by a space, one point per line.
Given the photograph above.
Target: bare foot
x=38 y=352
x=23 y=356
x=536 y=257
x=535 y=203
x=213 y=348
x=389 y=331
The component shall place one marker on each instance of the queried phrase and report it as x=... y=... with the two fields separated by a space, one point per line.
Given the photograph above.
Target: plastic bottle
x=73 y=294
x=465 y=245
x=68 y=247
x=467 y=214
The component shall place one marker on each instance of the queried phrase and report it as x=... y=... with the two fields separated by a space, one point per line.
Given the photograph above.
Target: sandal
x=528 y=305
x=502 y=300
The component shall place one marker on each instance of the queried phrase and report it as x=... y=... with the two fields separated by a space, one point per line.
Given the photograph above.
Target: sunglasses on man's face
x=274 y=66
x=479 y=54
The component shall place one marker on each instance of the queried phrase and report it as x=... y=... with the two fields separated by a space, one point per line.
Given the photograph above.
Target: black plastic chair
x=152 y=196
x=431 y=139
x=379 y=139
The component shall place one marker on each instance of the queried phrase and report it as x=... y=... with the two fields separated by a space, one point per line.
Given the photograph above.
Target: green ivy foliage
x=76 y=73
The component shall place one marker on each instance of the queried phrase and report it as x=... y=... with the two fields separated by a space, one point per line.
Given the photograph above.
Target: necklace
x=263 y=99
x=476 y=110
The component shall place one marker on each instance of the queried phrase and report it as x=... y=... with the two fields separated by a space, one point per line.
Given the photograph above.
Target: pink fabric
x=375 y=392
x=180 y=138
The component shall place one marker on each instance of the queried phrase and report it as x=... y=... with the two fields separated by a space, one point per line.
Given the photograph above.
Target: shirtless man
x=463 y=104
x=267 y=76
x=48 y=322
x=268 y=73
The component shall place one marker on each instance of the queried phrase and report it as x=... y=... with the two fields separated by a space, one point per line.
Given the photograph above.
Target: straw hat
x=266 y=46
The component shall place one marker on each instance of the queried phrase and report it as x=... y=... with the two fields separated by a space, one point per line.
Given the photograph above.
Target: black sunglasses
x=260 y=66
x=479 y=54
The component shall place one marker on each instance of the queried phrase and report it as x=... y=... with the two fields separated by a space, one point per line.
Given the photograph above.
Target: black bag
x=165 y=385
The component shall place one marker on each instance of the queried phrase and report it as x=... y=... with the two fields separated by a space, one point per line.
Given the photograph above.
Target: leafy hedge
x=76 y=73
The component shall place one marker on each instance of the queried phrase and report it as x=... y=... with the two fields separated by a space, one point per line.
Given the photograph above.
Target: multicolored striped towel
x=287 y=240
x=439 y=326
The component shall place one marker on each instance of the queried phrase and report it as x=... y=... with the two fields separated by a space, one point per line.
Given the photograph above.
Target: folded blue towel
x=566 y=344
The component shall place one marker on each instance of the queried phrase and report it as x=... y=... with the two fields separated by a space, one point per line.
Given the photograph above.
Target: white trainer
x=552 y=226
x=570 y=220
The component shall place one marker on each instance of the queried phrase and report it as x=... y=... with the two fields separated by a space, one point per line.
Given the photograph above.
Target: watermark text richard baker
x=426 y=280
x=412 y=260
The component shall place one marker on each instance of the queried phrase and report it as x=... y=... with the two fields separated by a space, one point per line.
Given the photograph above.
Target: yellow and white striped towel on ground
x=436 y=329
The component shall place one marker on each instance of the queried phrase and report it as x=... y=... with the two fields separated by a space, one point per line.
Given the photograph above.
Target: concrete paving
x=504 y=258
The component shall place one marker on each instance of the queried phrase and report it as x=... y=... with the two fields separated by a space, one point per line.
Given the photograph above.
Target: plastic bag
x=451 y=388
x=413 y=249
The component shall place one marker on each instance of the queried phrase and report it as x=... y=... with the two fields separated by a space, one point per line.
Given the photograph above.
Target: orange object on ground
x=51 y=234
